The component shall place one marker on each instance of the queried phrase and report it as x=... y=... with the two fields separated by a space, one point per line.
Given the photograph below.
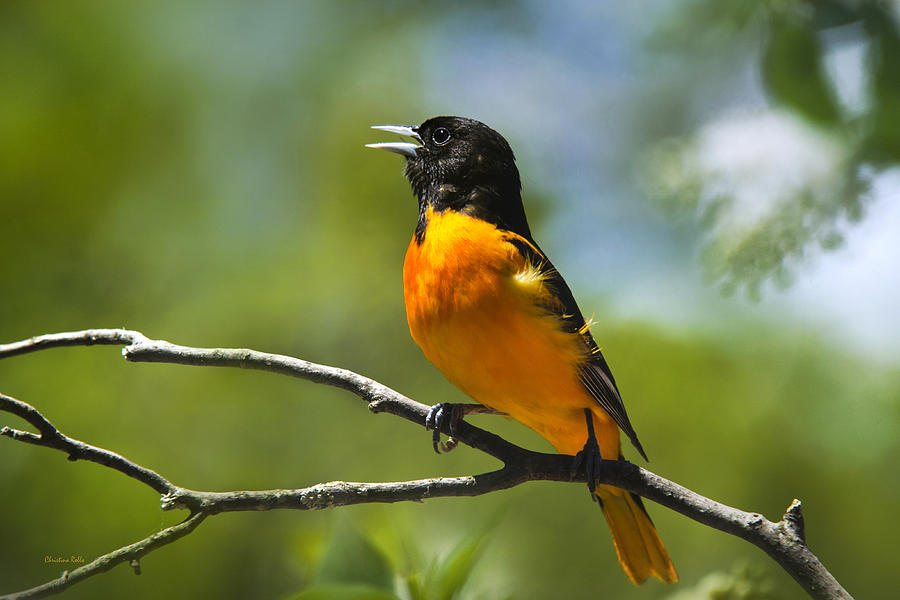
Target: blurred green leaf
x=883 y=143
x=415 y=586
x=350 y=558
x=344 y=592
x=455 y=570
x=793 y=71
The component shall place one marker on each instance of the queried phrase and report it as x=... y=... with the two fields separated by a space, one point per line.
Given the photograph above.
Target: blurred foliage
x=353 y=568
x=760 y=227
x=791 y=42
x=197 y=171
x=793 y=70
x=350 y=558
x=739 y=583
x=444 y=579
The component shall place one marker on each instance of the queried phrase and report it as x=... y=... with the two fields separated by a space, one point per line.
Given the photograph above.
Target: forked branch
x=783 y=540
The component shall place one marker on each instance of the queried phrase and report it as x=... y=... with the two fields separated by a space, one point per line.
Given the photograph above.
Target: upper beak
x=404 y=148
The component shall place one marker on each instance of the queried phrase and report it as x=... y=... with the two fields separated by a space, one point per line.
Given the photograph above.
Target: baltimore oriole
x=488 y=308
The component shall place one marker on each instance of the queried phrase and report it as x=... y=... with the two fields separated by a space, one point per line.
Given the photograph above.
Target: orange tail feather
x=640 y=551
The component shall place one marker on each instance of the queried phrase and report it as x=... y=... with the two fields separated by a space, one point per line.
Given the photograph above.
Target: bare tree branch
x=51 y=437
x=783 y=541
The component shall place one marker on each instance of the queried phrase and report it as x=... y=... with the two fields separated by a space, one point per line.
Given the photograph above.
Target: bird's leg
x=439 y=414
x=589 y=456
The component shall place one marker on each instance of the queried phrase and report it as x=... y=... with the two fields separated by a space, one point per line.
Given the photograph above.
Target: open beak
x=405 y=148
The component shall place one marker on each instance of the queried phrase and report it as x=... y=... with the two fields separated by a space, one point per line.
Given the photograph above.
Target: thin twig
x=131 y=554
x=783 y=541
x=51 y=437
x=85 y=337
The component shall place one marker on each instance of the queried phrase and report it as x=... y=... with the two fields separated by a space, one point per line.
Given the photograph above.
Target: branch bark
x=784 y=540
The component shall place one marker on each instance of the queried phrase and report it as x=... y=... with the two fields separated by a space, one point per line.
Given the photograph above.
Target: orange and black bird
x=488 y=308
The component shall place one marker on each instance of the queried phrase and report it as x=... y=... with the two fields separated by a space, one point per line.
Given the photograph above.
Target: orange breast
x=473 y=306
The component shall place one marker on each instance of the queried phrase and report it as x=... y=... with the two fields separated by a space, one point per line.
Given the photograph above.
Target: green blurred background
x=717 y=181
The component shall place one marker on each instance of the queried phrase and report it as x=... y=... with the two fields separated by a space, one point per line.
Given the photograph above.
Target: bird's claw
x=435 y=419
x=589 y=458
x=591 y=461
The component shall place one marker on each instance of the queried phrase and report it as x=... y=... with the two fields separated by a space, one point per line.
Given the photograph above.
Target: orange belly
x=474 y=307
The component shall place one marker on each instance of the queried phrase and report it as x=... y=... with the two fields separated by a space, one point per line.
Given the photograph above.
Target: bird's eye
x=440 y=136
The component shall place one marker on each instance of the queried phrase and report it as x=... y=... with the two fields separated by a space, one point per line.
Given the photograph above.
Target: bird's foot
x=452 y=414
x=445 y=413
x=589 y=457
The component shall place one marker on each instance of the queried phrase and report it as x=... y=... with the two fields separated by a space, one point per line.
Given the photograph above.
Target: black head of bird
x=461 y=164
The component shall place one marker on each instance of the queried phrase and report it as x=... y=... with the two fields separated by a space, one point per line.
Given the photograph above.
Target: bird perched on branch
x=488 y=308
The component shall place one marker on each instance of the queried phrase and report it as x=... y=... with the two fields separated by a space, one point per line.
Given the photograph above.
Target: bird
x=489 y=310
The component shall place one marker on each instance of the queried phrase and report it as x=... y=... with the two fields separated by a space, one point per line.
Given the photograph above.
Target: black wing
x=595 y=374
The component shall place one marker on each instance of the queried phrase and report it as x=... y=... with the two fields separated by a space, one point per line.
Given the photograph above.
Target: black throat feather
x=497 y=200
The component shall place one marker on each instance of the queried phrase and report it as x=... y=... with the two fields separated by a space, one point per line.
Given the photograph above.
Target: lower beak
x=404 y=148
